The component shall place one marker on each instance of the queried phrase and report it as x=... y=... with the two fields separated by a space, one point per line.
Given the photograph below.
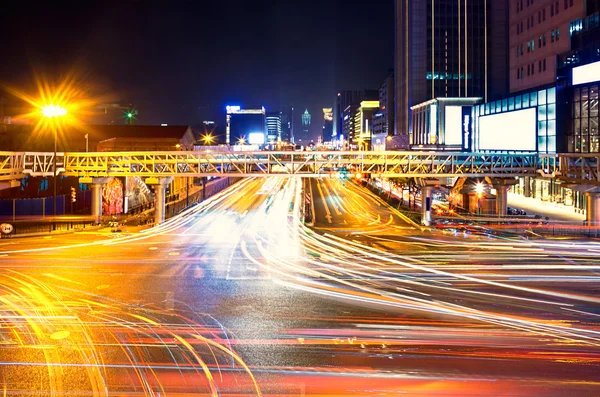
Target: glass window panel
x=542 y=128
x=577 y=94
x=498 y=106
x=525 y=100
x=518 y=102
x=584 y=94
x=551 y=95
x=551 y=144
x=487 y=108
x=585 y=108
x=504 y=105
x=511 y=103
x=552 y=111
x=585 y=127
x=542 y=113
x=551 y=127
x=594 y=92
x=542 y=97
x=577 y=127
x=593 y=126
x=542 y=144
x=533 y=98
x=594 y=144
x=577 y=110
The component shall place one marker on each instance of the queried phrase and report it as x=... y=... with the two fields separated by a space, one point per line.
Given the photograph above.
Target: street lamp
x=53 y=113
x=242 y=141
x=208 y=139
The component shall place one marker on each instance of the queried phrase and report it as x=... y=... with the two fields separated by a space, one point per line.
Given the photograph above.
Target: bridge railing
x=578 y=167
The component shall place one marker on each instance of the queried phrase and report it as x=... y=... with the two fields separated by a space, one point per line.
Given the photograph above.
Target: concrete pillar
x=97 y=186
x=592 y=209
x=160 y=193
x=426 y=201
x=502 y=185
x=527 y=186
x=501 y=199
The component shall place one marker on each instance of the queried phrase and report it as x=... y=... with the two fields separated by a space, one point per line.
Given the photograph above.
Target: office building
x=539 y=31
x=273 y=120
x=342 y=101
x=442 y=51
x=287 y=125
x=327 y=134
x=386 y=105
x=363 y=129
x=306 y=120
x=245 y=126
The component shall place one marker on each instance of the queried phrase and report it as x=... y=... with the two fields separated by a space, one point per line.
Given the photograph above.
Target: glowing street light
x=479 y=188
x=242 y=141
x=208 y=139
x=53 y=113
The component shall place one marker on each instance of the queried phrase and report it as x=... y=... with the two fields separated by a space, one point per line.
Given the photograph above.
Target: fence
x=47 y=226
x=43 y=206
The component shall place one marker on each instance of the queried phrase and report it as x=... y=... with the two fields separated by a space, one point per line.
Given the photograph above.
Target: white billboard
x=453 y=125
x=256 y=138
x=586 y=73
x=509 y=131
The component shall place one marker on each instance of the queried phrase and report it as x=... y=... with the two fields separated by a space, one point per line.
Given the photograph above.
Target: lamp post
x=208 y=139
x=53 y=113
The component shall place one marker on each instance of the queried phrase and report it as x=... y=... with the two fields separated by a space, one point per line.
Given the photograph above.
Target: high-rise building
x=327 y=134
x=383 y=121
x=363 y=129
x=539 y=31
x=287 y=125
x=342 y=101
x=273 y=126
x=245 y=125
x=306 y=119
x=442 y=50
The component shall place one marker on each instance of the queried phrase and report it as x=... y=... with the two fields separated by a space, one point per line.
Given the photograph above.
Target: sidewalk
x=557 y=213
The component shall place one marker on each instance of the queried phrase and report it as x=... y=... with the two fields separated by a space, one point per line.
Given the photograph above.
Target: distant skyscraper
x=306 y=125
x=287 y=125
x=327 y=124
x=274 y=126
x=442 y=51
x=342 y=101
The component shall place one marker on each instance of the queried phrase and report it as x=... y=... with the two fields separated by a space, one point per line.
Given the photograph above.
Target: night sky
x=181 y=62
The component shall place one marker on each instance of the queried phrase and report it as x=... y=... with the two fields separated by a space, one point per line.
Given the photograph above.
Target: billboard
x=453 y=126
x=586 y=73
x=511 y=131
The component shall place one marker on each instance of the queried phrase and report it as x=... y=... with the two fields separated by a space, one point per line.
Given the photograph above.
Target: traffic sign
x=6 y=228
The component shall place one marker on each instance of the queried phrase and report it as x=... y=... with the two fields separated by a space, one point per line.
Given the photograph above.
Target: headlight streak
x=32 y=312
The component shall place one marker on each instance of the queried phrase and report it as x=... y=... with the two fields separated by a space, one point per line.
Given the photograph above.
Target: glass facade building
x=545 y=103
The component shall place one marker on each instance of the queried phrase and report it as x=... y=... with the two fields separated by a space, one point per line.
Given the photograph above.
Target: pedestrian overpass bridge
x=160 y=167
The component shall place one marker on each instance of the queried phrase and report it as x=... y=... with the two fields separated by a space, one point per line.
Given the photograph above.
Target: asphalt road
x=236 y=297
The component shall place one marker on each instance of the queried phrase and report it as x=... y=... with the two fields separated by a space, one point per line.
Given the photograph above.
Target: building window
x=557 y=34
x=570 y=3
x=544 y=39
x=532 y=69
x=527 y=70
x=551 y=10
x=552 y=36
x=566 y=4
x=556 y=7
x=539 y=66
x=544 y=65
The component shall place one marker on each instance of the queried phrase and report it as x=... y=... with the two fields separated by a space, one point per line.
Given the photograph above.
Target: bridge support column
x=160 y=192
x=527 y=186
x=502 y=185
x=97 y=185
x=426 y=201
x=592 y=216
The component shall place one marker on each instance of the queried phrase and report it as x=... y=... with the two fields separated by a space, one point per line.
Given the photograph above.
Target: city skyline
x=191 y=68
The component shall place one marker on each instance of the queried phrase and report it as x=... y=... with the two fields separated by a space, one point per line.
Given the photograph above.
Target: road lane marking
x=327 y=211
